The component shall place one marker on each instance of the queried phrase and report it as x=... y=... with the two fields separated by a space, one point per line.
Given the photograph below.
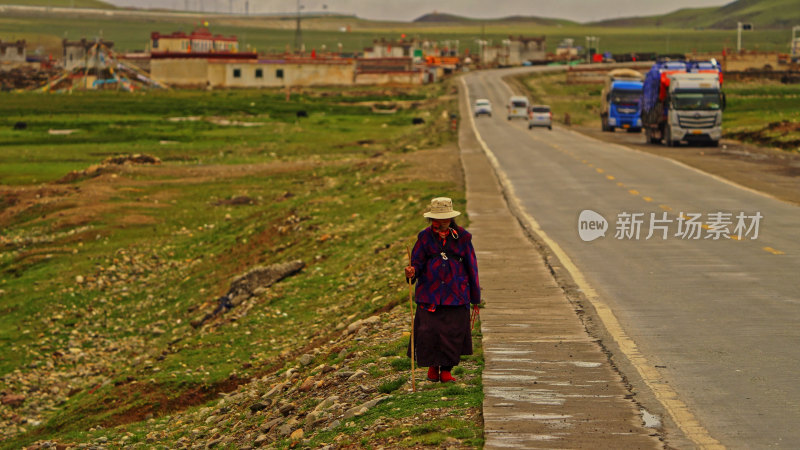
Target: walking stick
x=411 y=303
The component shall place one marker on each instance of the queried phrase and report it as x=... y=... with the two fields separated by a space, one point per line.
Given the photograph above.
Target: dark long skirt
x=441 y=336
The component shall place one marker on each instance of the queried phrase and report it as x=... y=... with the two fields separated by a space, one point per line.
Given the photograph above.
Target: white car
x=518 y=107
x=483 y=106
x=540 y=116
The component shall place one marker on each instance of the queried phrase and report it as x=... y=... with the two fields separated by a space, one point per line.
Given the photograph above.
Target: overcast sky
x=407 y=10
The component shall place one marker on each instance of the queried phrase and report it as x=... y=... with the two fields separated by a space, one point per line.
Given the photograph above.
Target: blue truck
x=621 y=101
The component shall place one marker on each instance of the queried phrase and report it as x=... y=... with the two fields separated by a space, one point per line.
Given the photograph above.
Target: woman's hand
x=410 y=272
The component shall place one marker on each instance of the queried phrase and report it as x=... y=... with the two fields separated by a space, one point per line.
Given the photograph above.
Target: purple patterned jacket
x=450 y=281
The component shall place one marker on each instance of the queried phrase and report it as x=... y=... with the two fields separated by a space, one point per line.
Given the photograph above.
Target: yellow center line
x=620 y=184
x=665 y=207
x=584 y=161
x=633 y=192
x=599 y=170
x=734 y=237
x=647 y=199
x=773 y=251
x=610 y=177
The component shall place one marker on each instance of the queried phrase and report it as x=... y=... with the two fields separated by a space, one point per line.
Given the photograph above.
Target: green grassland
x=101 y=274
x=270 y=36
x=751 y=106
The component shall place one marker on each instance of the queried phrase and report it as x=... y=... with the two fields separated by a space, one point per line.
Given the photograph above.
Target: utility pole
x=739 y=28
x=298 y=36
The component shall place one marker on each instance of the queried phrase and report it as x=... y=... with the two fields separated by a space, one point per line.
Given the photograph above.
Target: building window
x=237 y=73
x=259 y=73
x=279 y=73
x=155 y=43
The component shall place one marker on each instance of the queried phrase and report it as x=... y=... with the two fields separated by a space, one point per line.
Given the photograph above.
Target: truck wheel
x=713 y=144
x=669 y=141
x=650 y=138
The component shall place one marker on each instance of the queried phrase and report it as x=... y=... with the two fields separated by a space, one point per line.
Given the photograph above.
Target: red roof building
x=201 y=40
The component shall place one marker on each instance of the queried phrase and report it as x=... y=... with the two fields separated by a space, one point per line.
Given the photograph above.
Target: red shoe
x=433 y=374
x=447 y=377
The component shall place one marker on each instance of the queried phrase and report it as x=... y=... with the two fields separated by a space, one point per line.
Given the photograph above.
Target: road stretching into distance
x=705 y=328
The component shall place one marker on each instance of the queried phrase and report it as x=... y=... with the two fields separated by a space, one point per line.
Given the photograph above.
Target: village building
x=251 y=72
x=566 y=50
x=201 y=40
x=521 y=50
x=85 y=54
x=514 y=51
x=203 y=60
x=381 y=48
x=282 y=71
x=12 y=53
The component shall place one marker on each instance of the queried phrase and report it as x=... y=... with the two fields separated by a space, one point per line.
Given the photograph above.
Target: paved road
x=709 y=325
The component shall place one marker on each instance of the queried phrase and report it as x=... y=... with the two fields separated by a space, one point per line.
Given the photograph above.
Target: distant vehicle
x=540 y=116
x=518 y=107
x=621 y=101
x=483 y=106
x=683 y=101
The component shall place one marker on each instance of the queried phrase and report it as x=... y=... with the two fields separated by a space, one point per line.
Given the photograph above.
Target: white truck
x=683 y=106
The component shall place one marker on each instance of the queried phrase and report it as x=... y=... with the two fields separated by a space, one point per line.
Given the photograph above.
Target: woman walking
x=444 y=266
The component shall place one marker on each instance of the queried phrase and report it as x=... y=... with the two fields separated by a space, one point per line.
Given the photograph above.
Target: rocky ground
x=340 y=385
x=327 y=398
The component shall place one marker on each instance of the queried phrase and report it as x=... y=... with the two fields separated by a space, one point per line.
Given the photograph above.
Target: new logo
x=591 y=225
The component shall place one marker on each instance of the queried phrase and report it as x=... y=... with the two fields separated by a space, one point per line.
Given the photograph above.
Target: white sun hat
x=441 y=208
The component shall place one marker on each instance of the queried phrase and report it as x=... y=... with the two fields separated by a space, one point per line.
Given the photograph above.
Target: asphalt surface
x=547 y=382
x=705 y=329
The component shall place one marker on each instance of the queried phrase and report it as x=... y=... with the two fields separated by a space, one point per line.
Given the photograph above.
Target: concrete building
x=201 y=40
x=252 y=72
x=518 y=50
x=12 y=53
x=85 y=54
x=246 y=70
x=381 y=48
x=514 y=51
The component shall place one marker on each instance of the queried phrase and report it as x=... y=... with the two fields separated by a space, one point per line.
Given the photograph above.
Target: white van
x=518 y=107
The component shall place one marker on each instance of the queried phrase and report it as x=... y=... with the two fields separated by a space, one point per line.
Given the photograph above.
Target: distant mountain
x=762 y=14
x=437 y=17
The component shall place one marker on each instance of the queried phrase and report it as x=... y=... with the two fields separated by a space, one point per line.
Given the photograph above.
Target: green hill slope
x=443 y=18
x=99 y=4
x=763 y=14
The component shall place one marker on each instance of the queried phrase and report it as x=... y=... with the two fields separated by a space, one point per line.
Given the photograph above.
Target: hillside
x=98 y=4
x=437 y=17
x=763 y=14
